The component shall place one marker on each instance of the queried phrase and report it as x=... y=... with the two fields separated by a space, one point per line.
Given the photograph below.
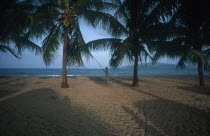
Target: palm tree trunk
x=200 y=73
x=135 y=72
x=64 y=83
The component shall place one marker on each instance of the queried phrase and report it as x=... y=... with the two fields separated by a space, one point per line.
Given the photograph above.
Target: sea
x=92 y=72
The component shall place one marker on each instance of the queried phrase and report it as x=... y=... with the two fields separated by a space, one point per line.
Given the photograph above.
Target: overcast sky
x=30 y=60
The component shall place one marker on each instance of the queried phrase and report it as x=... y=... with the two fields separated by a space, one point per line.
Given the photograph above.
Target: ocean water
x=92 y=72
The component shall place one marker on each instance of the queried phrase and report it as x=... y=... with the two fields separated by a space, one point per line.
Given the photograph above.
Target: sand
x=162 y=106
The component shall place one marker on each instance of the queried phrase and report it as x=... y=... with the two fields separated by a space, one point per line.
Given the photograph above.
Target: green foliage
x=141 y=20
x=15 y=25
x=187 y=35
x=4 y=48
x=51 y=44
x=76 y=48
x=38 y=19
x=94 y=12
x=172 y=28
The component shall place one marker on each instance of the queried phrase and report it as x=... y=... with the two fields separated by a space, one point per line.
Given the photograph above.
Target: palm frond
x=181 y=63
x=120 y=51
x=77 y=48
x=145 y=53
x=24 y=42
x=105 y=21
x=103 y=44
x=116 y=58
x=4 y=48
x=51 y=44
x=121 y=14
x=97 y=5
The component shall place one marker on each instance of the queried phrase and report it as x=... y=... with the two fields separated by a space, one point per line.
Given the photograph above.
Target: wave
x=54 y=75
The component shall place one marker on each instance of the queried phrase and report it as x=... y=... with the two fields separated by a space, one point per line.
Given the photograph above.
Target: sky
x=30 y=60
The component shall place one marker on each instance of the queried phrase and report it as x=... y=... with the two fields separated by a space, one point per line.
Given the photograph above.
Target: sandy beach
x=163 y=105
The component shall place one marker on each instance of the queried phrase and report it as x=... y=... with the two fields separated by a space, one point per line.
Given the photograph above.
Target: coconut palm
x=141 y=19
x=187 y=36
x=61 y=26
x=15 y=25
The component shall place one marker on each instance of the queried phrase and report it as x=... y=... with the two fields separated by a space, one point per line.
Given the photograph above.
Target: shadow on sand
x=164 y=117
x=42 y=113
x=11 y=81
x=196 y=89
x=122 y=79
x=101 y=80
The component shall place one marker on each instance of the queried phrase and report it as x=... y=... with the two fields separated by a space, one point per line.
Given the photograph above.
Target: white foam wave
x=54 y=75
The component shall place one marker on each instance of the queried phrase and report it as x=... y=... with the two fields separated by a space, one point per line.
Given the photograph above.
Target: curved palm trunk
x=64 y=83
x=135 y=72
x=200 y=73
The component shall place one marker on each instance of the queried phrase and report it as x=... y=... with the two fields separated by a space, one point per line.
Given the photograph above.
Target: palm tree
x=188 y=38
x=15 y=22
x=141 y=19
x=61 y=26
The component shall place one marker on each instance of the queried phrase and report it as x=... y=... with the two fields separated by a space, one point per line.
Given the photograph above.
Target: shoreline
x=95 y=72
x=144 y=75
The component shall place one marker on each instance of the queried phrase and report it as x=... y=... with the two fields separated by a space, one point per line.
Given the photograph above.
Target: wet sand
x=163 y=105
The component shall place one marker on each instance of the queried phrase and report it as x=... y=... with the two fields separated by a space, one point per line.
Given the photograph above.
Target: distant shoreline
x=152 y=75
x=94 y=72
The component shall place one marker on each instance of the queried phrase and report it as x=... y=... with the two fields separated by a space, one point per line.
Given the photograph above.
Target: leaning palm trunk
x=135 y=72
x=64 y=83
x=200 y=73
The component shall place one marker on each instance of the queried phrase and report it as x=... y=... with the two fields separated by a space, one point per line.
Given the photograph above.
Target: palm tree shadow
x=7 y=91
x=141 y=121
x=171 y=118
x=44 y=77
x=100 y=80
x=42 y=112
x=134 y=88
x=13 y=80
x=181 y=79
x=196 y=89
x=121 y=80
